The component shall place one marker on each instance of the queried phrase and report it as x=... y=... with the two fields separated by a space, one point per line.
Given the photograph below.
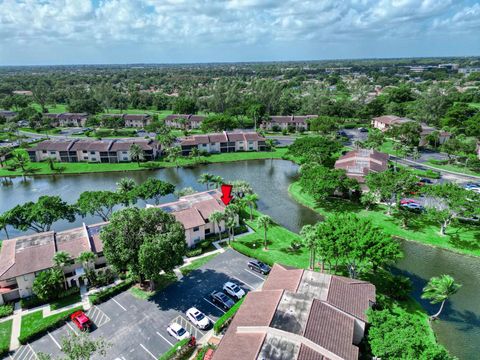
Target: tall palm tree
x=251 y=202
x=125 y=188
x=217 y=180
x=264 y=222
x=21 y=160
x=231 y=214
x=87 y=258
x=216 y=218
x=309 y=239
x=173 y=154
x=51 y=162
x=60 y=259
x=4 y=224
x=206 y=179
x=136 y=153
x=438 y=290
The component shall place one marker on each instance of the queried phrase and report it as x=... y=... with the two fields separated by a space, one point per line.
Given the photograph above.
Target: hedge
x=6 y=310
x=173 y=350
x=49 y=323
x=224 y=320
x=35 y=301
x=106 y=294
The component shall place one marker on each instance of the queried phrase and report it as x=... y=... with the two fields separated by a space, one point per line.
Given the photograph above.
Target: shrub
x=225 y=319
x=35 y=301
x=174 y=349
x=6 y=310
x=201 y=353
x=241 y=248
x=194 y=252
x=106 y=294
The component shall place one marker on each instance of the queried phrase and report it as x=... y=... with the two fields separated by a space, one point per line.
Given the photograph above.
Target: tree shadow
x=467 y=244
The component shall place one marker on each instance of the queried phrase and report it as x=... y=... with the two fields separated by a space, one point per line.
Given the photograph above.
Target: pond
x=459 y=329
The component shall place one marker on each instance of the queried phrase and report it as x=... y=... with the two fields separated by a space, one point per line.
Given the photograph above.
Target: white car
x=233 y=290
x=198 y=318
x=177 y=331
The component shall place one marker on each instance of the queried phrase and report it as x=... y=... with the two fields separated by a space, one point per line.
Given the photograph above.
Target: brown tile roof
x=221 y=137
x=176 y=116
x=92 y=145
x=253 y=136
x=217 y=137
x=281 y=277
x=54 y=145
x=235 y=137
x=387 y=119
x=73 y=241
x=94 y=234
x=361 y=162
x=72 y=116
x=125 y=145
x=307 y=353
x=133 y=117
x=189 y=218
x=331 y=330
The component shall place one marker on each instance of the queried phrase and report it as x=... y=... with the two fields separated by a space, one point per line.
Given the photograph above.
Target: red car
x=81 y=320
x=407 y=201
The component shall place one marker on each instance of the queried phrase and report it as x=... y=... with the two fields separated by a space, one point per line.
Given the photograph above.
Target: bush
x=201 y=353
x=106 y=294
x=6 y=310
x=225 y=319
x=35 y=301
x=194 y=252
x=251 y=253
x=173 y=351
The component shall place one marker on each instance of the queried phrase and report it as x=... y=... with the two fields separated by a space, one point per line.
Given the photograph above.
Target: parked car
x=233 y=290
x=408 y=201
x=362 y=129
x=177 y=331
x=342 y=133
x=220 y=299
x=198 y=318
x=258 y=266
x=425 y=181
x=414 y=207
x=81 y=320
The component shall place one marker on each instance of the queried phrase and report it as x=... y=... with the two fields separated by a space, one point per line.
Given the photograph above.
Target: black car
x=258 y=266
x=426 y=181
x=219 y=298
x=362 y=129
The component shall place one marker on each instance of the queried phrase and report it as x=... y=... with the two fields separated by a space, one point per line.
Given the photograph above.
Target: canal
x=459 y=329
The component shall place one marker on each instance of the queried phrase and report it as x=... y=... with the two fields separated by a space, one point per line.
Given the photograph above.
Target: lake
x=459 y=329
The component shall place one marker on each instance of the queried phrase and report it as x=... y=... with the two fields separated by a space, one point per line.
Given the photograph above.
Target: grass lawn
x=475 y=105
x=68 y=300
x=5 y=334
x=57 y=109
x=42 y=168
x=455 y=168
x=32 y=322
x=463 y=239
x=162 y=282
x=196 y=264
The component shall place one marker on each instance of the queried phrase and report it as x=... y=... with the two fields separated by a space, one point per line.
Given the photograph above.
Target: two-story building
x=291 y=121
x=359 y=163
x=184 y=121
x=224 y=142
x=68 y=119
x=7 y=114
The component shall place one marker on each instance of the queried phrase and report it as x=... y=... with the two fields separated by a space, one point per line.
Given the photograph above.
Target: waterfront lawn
x=194 y=265
x=42 y=168
x=462 y=238
x=5 y=335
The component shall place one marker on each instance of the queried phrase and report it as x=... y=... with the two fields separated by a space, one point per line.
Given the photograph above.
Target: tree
x=308 y=234
x=216 y=218
x=87 y=258
x=251 y=201
x=184 y=105
x=407 y=134
x=51 y=162
x=125 y=188
x=154 y=189
x=98 y=203
x=173 y=154
x=317 y=149
x=375 y=140
x=48 y=284
x=4 y=151
x=218 y=122
x=61 y=259
x=133 y=231
x=217 y=180
x=230 y=217
x=41 y=93
x=264 y=221
x=4 y=224
x=185 y=191
x=438 y=290
x=20 y=160
x=136 y=153
x=206 y=179
x=324 y=125
x=40 y=216
x=457 y=114
x=80 y=347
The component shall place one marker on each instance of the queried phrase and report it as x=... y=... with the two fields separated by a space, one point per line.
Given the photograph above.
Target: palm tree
x=125 y=187
x=216 y=217
x=438 y=290
x=206 y=179
x=231 y=214
x=173 y=154
x=21 y=160
x=231 y=223
x=4 y=151
x=51 y=162
x=136 y=153
x=87 y=258
x=60 y=259
x=217 y=180
x=308 y=236
x=264 y=222
x=4 y=223
x=251 y=202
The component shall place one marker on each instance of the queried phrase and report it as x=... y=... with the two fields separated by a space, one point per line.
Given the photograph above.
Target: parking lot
x=137 y=329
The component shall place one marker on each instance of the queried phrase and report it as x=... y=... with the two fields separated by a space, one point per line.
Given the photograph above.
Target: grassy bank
x=5 y=335
x=462 y=239
x=194 y=265
x=454 y=168
x=42 y=168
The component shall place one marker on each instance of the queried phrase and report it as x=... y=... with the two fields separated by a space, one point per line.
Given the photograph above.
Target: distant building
x=193 y=211
x=299 y=315
x=104 y=151
x=22 y=258
x=184 y=121
x=468 y=71
x=132 y=120
x=223 y=142
x=68 y=119
x=22 y=92
x=284 y=122
x=359 y=163
x=7 y=114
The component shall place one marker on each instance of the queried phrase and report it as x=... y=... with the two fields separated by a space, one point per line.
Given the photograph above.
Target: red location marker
x=226 y=193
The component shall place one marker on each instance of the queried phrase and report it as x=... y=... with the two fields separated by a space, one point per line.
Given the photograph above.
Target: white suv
x=198 y=318
x=177 y=331
x=233 y=290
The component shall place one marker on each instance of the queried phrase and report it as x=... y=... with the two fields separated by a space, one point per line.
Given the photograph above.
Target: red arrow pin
x=227 y=193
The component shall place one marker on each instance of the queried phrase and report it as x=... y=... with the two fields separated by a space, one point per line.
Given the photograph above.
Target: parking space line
x=116 y=302
x=260 y=277
x=243 y=282
x=164 y=338
x=71 y=328
x=35 y=356
x=55 y=341
x=214 y=305
x=144 y=348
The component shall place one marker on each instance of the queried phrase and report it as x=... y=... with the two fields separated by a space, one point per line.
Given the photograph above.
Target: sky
x=50 y=32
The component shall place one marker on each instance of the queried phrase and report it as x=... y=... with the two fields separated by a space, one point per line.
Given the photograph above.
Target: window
x=92 y=152
x=195 y=229
x=125 y=152
x=85 y=151
x=207 y=231
x=213 y=144
x=44 y=151
x=52 y=152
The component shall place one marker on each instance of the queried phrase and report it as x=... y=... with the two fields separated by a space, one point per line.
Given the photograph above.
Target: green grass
x=454 y=168
x=161 y=283
x=5 y=334
x=462 y=239
x=57 y=109
x=33 y=321
x=42 y=168
x=196 y=264
x=66 y=301
x=475 y=105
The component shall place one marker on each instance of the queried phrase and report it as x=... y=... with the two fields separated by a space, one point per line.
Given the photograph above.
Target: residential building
x=7 y=114
x=184 y=121
x=358 y=163
x=68 y=119
x=284 y=122
x=193 y=211
x=132 y=120
x=299 y=315
x=469 y=70
x=104 y=151
x=22 y=258
x=224 y=142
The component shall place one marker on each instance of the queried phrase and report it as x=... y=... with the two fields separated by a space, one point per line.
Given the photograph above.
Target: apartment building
x=193 y=211
x=104 y=151
x=224 y=142
x=184 y=121
x=22 y=258
x=68 y=119
x=359 y=163
x=284 y=122
x=300 y=315
x=131 y=120
x=7 y=114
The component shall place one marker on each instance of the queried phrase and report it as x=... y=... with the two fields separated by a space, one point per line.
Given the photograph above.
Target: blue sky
x=177 y=31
